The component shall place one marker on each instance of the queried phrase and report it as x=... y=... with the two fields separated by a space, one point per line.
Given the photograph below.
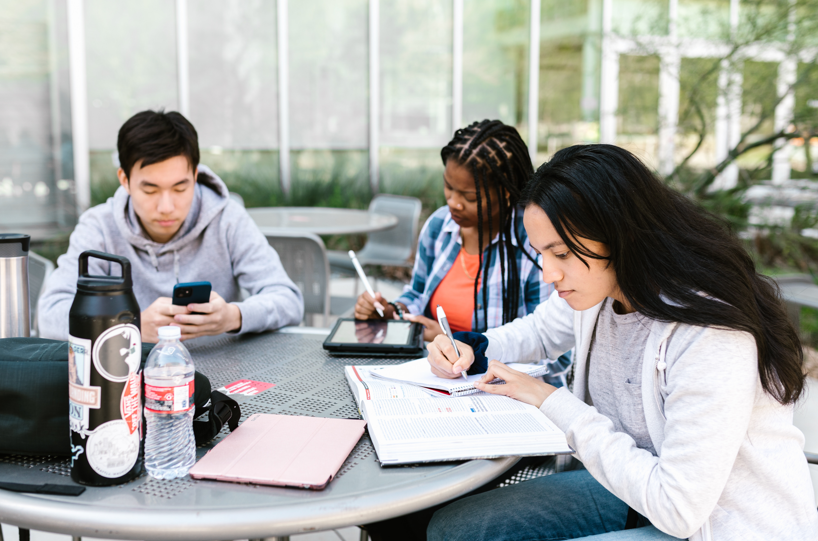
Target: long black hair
x=498 y=160
x=673 y=260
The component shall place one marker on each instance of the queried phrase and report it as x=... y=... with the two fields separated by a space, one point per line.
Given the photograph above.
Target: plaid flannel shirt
x=438 y=246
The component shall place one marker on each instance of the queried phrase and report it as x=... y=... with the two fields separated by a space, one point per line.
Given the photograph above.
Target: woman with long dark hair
x=686 y=371
x=473 y=256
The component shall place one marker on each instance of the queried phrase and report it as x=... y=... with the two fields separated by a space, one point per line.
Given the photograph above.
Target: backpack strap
x=222 y=410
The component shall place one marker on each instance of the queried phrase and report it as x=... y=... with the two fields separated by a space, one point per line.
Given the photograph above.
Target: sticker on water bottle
x=176 y=399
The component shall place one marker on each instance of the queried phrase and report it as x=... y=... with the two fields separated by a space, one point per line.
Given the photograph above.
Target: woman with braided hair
x=473 y=256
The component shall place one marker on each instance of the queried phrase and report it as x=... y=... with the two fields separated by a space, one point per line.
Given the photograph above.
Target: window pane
x=131 y=63
x=416 y=73
x=569 y=75
x=417 y=172
x=329 y=82
x=35 y=132
x=233 y=73
x=758 y=100
x=253 y=174
x=638 y=111
x=805 y=155
x=330 y=178
x=703 y=18
x=495 y=61
x=640 y=17
x=698 y=89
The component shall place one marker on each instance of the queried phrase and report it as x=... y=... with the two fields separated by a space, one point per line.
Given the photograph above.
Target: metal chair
x=304 y=258
x=39 y=269
x=392 y=247
x=236 y=197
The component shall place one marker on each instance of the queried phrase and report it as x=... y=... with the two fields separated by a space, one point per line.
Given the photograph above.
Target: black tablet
x=398 y=337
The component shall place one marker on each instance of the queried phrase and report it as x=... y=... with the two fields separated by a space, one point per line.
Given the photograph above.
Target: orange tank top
x=455 y=293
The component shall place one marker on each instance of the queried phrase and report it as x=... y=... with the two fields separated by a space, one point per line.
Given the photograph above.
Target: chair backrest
x=236 y=197
x=39 y=268
x=304 y=258
x=394 y=245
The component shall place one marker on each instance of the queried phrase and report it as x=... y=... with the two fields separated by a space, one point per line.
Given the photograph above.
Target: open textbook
x=419 y=373
x=408 y=425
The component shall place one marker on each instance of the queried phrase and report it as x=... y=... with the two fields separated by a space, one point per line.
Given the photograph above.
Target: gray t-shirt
x=615 y=371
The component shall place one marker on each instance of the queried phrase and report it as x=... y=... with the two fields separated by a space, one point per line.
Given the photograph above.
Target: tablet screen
x=372 y=332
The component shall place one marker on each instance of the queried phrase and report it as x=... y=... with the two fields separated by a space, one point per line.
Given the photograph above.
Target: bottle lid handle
x=121 y=260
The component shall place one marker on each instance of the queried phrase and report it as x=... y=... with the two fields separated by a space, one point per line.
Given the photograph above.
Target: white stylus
x=362 y=276
x=444 y=324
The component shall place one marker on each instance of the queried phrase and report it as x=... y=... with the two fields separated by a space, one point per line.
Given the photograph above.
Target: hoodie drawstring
x=152 y=254
x=155 y=261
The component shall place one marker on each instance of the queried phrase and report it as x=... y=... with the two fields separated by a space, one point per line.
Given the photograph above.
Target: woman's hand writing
x=444 y=360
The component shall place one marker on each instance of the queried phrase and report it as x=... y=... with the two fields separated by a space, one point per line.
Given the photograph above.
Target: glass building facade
x=329 y=101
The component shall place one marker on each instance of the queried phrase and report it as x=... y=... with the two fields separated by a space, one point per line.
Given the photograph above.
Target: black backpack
x=34 y=399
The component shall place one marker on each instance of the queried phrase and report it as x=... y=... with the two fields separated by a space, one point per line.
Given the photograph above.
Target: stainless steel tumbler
x=15 y=319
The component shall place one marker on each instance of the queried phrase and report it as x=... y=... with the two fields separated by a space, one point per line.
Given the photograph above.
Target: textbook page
x=418 y=372
x=408 y=426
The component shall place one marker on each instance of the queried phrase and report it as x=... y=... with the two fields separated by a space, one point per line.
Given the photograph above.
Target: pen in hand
x=362 y=276
x=444 y=325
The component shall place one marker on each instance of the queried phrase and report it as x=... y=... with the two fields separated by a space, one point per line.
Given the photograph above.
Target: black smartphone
x=191 y=292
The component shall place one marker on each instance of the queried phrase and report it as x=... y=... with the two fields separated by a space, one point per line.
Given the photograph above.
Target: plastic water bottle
x=170 y=448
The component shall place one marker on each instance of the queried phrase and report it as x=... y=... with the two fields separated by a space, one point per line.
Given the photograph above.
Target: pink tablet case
x=282 y=450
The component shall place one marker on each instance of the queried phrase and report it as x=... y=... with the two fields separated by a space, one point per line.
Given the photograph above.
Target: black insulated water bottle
x=105 y=381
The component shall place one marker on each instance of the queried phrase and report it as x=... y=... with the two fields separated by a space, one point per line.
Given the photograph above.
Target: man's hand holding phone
x=210 y=314
x=202 y=319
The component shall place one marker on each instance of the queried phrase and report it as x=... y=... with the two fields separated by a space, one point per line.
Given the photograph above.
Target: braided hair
x=497 y=158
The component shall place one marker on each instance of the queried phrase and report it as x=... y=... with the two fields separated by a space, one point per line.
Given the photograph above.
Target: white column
x=787 y=75
x=79 y=103
x=670 y=64
x=783 y=117
x=374 y=94
x=182 y=58
x=457 y=64
x=608 y=79
x=283 y=97
x=668 y=109
x=728 y=112
x=534 y=81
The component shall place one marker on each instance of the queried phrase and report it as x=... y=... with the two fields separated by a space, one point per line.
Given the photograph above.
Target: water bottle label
x=113 y=449
x=131 y=404
x=177 y=399
x=81 y=395
x=118 y=352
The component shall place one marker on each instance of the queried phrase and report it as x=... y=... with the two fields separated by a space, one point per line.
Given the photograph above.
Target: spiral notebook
x=419 y=373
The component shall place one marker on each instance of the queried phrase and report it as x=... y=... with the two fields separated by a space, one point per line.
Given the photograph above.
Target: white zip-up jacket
x=730 y=463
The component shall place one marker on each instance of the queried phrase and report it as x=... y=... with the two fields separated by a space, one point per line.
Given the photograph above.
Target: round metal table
x=320 y=220
x=307 y=382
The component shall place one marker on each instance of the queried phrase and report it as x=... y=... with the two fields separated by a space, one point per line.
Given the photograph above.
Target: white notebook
x=408 y=425
x=418 y=372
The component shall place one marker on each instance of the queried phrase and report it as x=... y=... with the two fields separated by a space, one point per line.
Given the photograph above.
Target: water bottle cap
x=170 y=333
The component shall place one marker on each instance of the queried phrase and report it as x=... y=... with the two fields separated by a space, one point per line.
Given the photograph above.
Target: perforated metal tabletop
x=307 y=382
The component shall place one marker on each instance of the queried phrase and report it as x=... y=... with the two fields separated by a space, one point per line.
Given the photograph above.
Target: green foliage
x=809 y=326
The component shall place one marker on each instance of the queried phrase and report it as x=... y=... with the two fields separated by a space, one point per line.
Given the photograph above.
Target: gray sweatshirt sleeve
x=59 y=290
x=274 y=300
x=546 y=333
x=711 y=388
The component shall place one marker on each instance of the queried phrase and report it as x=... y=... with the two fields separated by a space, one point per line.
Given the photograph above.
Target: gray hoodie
x=218 y=242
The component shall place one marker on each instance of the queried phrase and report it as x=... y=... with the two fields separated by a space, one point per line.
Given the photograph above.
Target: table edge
x=66 y=517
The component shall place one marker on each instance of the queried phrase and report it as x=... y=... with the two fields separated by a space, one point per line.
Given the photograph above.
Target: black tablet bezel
x=415 y=344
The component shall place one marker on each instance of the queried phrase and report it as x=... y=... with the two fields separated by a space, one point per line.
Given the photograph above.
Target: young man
x=173 y=219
